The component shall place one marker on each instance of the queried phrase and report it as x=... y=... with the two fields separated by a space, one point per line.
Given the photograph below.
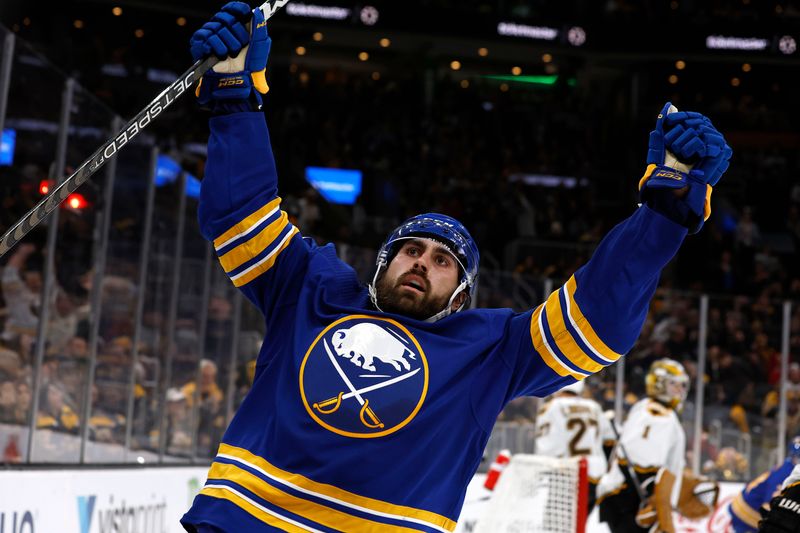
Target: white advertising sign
x=146 y=500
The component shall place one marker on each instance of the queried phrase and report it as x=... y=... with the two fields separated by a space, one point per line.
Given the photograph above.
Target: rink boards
x=151 y=500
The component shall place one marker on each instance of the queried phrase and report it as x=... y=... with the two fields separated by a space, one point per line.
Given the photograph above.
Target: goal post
x=538 y=494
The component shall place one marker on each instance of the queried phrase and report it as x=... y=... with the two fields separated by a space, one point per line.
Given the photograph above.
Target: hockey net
x=537 y=494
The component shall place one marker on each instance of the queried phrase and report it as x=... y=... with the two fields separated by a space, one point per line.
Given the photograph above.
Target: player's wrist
x=221 y=90
x=230 y=107
x=667 y=203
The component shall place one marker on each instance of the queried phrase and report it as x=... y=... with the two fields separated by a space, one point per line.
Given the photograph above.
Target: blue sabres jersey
x=364 y=421
x=744 y=508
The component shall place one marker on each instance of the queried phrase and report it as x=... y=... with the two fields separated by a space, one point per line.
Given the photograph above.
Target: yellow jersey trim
x=544 y=351
x=267 y=516
x=563 y=337
x=337 y=495
x=583 y=327
x=315 y=512
x=247 y=224
x=744 y=512
x=640 y=469
x=246 y=276
x=255 y=245
x=610 y=494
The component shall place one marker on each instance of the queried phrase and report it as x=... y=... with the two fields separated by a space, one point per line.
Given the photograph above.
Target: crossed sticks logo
x=364 y=377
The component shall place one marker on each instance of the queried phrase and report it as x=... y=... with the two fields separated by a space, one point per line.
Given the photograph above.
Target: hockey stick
x=50 y=203
x=631 y=473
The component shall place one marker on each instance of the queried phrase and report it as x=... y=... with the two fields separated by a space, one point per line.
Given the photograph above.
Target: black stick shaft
x=628 y=464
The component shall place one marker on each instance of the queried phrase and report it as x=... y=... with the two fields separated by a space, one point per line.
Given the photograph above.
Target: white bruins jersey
x=571 y=426
x=653 y=438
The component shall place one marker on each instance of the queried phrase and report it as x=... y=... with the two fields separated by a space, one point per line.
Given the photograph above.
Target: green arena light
x=534 y=80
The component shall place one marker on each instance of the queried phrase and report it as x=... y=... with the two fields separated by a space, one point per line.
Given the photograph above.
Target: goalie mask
x=667 y=382
x=446 y=231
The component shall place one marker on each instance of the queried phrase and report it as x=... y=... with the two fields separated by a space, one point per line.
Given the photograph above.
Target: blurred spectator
x=210 y=413
x=23 y=403
x=21 y=286
x=219 y=327
x=730 y=465
x=54 y=412
x=9 y=364
x=8 y=402
x=179 y=430
x=107 y=421
x=63 y=324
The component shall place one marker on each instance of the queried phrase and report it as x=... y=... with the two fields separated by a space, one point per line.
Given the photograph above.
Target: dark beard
x=390 y=300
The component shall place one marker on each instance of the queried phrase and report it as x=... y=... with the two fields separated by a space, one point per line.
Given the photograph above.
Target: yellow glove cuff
x=260 y=81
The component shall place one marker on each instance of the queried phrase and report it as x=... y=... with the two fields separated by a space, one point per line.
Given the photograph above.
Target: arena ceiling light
x=787 y=45
x=369 y=15
x=548 y=180
x=534 y=80
x=318 y=12
x=546 y=81
x=721 y=42
x=576 y=36
x=512 y=29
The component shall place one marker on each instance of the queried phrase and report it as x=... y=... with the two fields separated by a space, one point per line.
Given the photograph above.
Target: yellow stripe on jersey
x=262 y=513
x=563 y=338
x=584 y=328
x=335 y=494
x=251 y=273
x=744 y=512
x=612 y=493
x=254 y=245
x=757 y=481
x=639 y=469
x=247 y=224
x=315 y=512
x=544 y=351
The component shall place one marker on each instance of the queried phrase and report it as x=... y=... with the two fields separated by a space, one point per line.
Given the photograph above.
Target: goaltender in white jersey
x=654 y=442
x=569 y=425
x=653 y=438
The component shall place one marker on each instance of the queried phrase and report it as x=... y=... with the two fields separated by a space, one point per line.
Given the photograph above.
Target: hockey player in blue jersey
x=783 y=515
x=746 y=507
x=371 y=407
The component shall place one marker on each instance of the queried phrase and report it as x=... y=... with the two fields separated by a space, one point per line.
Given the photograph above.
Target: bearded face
x=419 y=281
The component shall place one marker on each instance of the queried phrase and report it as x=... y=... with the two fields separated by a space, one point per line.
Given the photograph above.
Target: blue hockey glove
x=711 y=155
x=240 y=75
x=685 y=150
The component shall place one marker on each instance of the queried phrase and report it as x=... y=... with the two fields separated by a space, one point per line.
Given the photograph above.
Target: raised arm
x=239 y=207
x=596 y=316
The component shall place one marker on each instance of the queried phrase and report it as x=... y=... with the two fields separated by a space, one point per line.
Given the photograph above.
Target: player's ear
x=458 y=301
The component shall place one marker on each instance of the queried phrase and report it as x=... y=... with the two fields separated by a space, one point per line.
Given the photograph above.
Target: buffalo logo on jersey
x=364 y=377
